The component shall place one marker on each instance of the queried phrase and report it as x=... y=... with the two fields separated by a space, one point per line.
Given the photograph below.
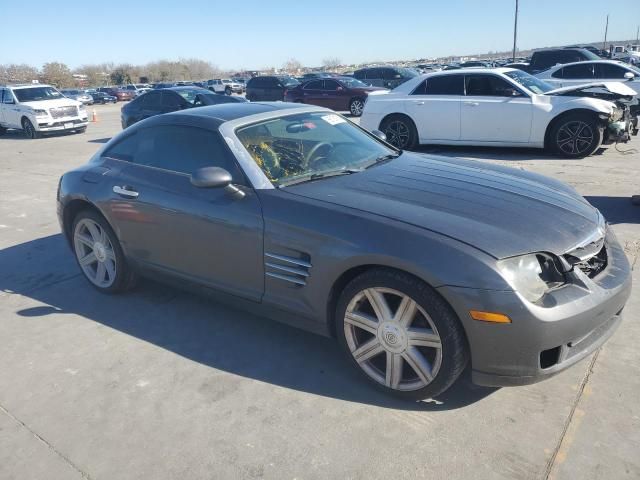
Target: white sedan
x=500 y=107
x=592 y=71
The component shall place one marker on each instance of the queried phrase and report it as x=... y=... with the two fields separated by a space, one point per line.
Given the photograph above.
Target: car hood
x=52 y=103
x=617 y=88
x=499 y=210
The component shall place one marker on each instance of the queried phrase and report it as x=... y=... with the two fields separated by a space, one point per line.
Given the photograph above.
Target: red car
x=120 y=94
x=338 y=93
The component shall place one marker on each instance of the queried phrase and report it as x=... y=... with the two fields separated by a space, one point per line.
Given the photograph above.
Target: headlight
x=531 y=275
x=40 y=113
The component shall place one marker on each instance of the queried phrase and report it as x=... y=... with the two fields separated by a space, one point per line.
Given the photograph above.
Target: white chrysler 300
x=501 y=107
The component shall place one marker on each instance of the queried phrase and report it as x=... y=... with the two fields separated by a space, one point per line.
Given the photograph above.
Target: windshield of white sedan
x=529 y=81
x=33 y=94
x=309 y=146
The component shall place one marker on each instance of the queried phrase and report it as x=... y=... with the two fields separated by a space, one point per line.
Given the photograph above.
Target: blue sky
x=262 y=33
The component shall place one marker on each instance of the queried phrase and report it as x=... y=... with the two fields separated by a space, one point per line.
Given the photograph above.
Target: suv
x=36 y=109
x=269 y=88
x=387 y=77
x=544 y=59
x=224 y=85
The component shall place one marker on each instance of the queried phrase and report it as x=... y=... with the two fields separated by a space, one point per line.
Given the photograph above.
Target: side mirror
x=511 y=92
x=215 y=177
x=629 y=76
x=379 y=134
x=339 y=89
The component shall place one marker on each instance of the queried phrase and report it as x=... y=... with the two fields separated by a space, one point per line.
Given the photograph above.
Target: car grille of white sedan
x=60 y=112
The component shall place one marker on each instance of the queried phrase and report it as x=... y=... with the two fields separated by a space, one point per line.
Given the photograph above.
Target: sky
x=253 y=34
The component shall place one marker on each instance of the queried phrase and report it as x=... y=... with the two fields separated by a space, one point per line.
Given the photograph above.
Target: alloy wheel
x=398 y=134
x=95 y=253
x=356 y=108
x=575 y=137
x=393 y=339
x=29 y=130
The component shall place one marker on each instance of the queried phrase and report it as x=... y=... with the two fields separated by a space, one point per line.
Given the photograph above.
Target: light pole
x=515 y=32
x=606 y=29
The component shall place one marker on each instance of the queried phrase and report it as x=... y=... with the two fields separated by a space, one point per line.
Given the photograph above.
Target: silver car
x=418 y=265
x=79 y=95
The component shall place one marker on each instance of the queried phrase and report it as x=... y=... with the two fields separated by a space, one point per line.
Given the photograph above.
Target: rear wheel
x=575 y=135
x=356 y=106
x=28 y=129
x=99 y=254
x=400 y=131
x=400 y=334
x=3 y=130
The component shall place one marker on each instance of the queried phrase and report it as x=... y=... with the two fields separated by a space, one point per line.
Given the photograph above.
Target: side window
x=390 y=74
x=151 y=99
x=183 y=149
x=171 y=100
x=558 y=73
x=7 y=96
x=487 y=86
x=608 y=70
x=125 y=149
x=581 y=70
x=314 y=85
x=330 y=85
x=445 y=85
x=420 y=89
x=374 y=73
x=360 y=74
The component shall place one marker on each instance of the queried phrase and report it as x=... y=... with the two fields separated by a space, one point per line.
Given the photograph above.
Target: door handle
x=472 y=104
x=125 y=191
x=419 y=103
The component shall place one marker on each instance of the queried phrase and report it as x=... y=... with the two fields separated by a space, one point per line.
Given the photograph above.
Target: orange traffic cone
x=94 y=116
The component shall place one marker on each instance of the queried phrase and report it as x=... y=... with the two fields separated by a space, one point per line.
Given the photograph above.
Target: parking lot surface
x=161 y=384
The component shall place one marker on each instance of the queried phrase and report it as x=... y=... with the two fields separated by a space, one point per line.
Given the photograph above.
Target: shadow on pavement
x=617 y=209
x=203 y=331
x=100 y=140
x=495 y=153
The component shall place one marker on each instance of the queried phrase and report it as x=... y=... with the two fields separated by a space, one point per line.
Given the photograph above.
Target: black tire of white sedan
x=575 y=135
x=99 y=254
x=401 y=334
x=400 y=131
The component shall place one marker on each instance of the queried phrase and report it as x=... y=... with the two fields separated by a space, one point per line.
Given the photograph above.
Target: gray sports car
x=419 y=265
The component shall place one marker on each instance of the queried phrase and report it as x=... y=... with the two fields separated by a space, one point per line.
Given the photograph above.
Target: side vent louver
x=289 y=269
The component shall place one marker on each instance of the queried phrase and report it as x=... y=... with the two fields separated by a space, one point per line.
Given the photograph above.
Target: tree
x=14 y=73
x=57 y=74
x=97 y=75
x=292 y=66
x=331 y=63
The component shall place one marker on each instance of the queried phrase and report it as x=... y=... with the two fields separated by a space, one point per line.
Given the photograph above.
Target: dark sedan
x=102 y=97
x=339 y=93
x=167 y=100
x=417 y=264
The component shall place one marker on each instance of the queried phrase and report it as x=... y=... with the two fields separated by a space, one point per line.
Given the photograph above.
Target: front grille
x=64 y=112
x=591 y=266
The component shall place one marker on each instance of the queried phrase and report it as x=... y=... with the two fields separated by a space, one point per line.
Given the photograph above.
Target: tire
x=81 y=130
x=400 y=131
x=29 y=130
x=114 y=276
x=227 y=91
x=575 y=135
x=3 y=131
x=441 y=352
x=356 y=105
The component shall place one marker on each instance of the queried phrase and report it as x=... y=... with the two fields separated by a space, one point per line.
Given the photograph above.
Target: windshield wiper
x=383 y=159
x=317 y=176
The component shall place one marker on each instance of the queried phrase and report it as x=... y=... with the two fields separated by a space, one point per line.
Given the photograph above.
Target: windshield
x=289 y=81
x=529 y=81
x=190 y=94
x=36 y=93
x=353 y=83
x=408 y=72
x=305 y=144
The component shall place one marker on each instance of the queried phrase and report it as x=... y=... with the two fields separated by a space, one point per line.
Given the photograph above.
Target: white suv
x=224 y=85
x=38 y=108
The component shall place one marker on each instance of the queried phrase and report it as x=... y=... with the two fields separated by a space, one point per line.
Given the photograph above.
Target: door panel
x=200 y=233
x=437 y=117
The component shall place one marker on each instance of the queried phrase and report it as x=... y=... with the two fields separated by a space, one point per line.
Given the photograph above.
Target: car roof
x=612 y=62
x=28 y=85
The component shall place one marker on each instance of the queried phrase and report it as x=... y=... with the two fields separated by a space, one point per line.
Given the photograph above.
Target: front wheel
x=575 y=135
x=29 y=130
x=400 y=334
x=99 y=254
x=400 y=131
x=227 y=91
x=356 y=106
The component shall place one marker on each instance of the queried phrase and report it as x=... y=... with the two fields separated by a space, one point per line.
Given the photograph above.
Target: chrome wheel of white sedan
x=393 y=339
x=95 y=253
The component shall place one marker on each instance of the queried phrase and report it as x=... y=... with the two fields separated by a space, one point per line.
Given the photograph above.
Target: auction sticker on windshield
x=333 y=119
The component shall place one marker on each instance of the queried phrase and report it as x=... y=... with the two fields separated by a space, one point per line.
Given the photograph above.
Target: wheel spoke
x=111 y=269
x=362 y=321
x=406 y=311
x=111 y=255
x=379 y=304
x=423 y=337
x=84 y=239
x=419 y=364
x=94 y=232
x=88 y=259
x=101 y=271
x=367 y=350
x=393 y=375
